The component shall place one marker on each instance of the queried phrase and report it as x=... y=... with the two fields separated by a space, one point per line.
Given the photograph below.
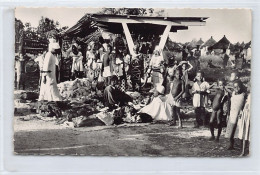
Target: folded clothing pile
x=75 y=89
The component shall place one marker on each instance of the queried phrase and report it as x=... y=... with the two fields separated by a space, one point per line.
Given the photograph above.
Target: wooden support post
x=61 y=61
x=164 y=36
x=129 y=39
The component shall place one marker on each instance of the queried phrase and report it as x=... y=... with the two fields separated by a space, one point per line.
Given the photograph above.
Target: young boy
x=217 y=106
x=177 y=88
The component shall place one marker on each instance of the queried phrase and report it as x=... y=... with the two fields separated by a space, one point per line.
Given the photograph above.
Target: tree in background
x=127 y=11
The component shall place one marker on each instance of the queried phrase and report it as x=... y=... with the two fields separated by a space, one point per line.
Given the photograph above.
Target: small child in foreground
x=200 y=91
x=177 y=88
x=217 y=106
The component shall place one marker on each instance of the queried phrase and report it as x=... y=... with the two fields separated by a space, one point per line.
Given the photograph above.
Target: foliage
x=46 y=25
x=127 y=11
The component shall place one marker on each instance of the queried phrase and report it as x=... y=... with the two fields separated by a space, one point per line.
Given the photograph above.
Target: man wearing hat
x=49 y=90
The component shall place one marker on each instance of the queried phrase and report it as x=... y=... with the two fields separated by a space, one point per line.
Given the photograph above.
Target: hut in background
x=222 y=44
x=207 y=45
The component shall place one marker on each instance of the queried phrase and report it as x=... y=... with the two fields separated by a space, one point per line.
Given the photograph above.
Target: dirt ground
x=36 y=136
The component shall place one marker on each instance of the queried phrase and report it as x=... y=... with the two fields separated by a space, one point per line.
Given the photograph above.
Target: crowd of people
x=173 y=84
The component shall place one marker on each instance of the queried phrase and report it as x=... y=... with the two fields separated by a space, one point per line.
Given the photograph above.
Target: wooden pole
x=164 y=37
x=129 y=39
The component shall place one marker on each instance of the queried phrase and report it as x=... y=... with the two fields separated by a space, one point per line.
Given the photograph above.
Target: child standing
x=217 y=107
x=174 y=97
x=237 y=102
x=186 y=67
x=200 y=91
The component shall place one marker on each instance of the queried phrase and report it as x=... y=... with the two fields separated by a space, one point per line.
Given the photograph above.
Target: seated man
x=113 y=96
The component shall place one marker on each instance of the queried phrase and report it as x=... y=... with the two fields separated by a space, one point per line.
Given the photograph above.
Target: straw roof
x=200 y=42
x=224 y=43
x=210 y=42
x=193 y=43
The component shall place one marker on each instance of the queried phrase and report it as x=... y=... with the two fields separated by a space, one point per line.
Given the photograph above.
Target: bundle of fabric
x=26 y=95
x=49 y=109
x=75 y=89
x=24 y=102
x=84 y=121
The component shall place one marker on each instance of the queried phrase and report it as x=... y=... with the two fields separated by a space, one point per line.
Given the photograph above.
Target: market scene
x=117 y=83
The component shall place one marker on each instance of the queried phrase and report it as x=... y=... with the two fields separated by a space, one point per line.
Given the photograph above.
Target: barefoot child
x=174 y=97
x=217 y=107
x=186 y=67
x=200 y=91
x=237 y=103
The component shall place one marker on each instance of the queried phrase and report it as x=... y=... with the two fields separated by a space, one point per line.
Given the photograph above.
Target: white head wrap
x=160 y=88
x=53 y=46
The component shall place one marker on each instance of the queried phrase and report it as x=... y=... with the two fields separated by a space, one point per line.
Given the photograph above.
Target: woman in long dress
x=156 y=67
x=49 y=90
x=158 y=109
x=237 y=103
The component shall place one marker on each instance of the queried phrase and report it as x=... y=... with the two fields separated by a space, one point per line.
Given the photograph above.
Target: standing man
x=195 y=66
x=49 y=89
x=20 y=72
x=225 y=58
x=107 y=65
x=185 y=53
x=136 y=69
x=39 y=60
x=197 y=53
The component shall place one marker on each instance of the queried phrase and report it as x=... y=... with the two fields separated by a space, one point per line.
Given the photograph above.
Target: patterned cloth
x=136 y=71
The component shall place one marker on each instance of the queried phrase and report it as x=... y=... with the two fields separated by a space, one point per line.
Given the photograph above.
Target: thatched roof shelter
x=223 y=43
x=210 y=42
x=200 y=42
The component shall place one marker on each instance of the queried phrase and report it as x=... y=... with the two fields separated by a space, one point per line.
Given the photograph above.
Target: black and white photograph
x=151 y=82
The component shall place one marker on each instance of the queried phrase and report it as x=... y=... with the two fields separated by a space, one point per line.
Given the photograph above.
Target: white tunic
x=77 y=64
x=156 y=61
x=49 y=91
x=200 y=100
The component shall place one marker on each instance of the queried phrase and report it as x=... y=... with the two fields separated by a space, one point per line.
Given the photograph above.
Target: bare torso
x=176 y=87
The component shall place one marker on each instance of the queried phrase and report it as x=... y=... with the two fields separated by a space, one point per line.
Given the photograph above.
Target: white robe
x=158 y=109
x=49 y=91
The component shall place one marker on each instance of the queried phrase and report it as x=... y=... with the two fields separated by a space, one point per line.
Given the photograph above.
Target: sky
x=236 y=24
